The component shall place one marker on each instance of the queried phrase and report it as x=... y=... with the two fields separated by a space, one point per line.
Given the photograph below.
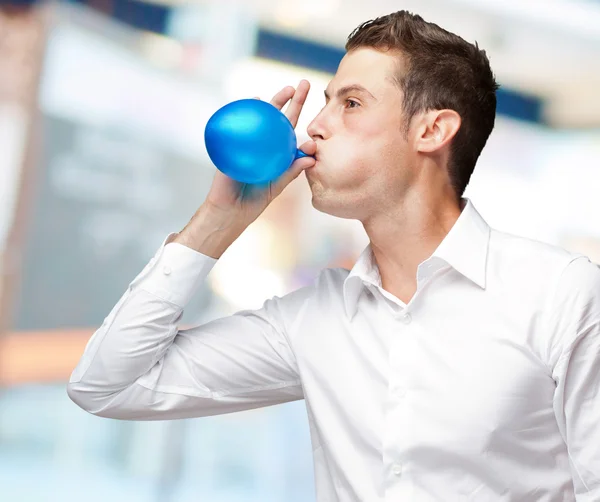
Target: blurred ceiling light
x=322 y=8
x=292 y=14
x=174 y=3
x=579 y=17
x=288 y=15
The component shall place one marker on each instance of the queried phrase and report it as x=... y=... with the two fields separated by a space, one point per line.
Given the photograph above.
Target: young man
x=453 y=362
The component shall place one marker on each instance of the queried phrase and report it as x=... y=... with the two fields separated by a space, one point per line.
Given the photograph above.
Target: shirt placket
x=398 y=418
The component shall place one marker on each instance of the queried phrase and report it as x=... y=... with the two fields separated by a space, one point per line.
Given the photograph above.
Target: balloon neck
x=300 y=154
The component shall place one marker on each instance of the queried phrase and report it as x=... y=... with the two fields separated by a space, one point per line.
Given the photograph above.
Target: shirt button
x=397 y=469
x=400 y=391
x=406 y=318
x=167 y=270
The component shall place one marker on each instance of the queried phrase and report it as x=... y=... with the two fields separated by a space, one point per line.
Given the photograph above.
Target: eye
x=350 y=103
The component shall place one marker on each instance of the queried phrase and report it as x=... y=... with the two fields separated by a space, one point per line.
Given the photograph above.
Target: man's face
x=363 y=157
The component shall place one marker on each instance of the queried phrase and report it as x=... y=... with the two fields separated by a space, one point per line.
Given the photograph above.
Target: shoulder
x=581 y=270
x=508 y=248
x=559 y=289
x=579 y=282
x=530 y=265
x=573 y=306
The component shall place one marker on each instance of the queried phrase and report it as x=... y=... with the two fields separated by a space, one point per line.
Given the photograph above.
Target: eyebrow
x=348 y=89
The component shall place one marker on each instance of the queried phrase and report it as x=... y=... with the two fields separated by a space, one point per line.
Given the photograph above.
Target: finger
x=298 y=100
x=282 y=97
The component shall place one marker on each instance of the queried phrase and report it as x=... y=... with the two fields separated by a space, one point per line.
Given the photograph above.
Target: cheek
x=352 y=159
x=361 y=148
x=366 y=153
x=372 y=135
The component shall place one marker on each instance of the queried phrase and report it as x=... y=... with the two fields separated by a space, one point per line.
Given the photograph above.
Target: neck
x=407 y=235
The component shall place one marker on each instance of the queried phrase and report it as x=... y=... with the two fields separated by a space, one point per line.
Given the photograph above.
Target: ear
x=436 y=130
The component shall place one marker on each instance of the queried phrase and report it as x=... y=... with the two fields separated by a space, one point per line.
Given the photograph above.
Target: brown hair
x=443 y=72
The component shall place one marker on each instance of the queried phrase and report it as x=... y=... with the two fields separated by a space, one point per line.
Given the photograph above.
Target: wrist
x=211 y=231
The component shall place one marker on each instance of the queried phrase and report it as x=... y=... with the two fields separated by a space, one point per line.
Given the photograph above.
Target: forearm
x=211 y=231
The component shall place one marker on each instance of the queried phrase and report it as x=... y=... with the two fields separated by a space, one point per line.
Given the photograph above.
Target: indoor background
x=103 y=105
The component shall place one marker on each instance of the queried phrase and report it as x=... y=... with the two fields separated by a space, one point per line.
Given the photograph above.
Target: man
x=453 y=362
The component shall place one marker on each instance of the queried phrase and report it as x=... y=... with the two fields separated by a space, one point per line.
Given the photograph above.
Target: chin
x=333 y=207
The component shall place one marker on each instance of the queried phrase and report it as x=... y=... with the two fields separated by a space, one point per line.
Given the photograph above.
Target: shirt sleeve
x=576 y=326
x=140 y=366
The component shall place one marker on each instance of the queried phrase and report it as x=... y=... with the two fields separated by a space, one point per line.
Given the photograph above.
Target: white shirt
x=485 y=387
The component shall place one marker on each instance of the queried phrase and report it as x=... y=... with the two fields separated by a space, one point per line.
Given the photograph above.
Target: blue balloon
x=251 y=141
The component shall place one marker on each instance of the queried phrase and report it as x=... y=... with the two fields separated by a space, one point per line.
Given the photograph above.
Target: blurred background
x=103 y=105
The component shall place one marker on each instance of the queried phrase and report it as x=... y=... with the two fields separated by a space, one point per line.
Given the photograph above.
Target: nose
x=316 y=129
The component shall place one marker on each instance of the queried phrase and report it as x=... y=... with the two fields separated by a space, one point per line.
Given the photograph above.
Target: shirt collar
x=465 y=248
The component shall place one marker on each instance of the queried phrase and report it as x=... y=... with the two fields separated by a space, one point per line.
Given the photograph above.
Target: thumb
x=310 y=147
x=299 y=165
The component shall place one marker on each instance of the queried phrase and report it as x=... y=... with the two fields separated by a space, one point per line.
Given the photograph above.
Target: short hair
x=444 y=71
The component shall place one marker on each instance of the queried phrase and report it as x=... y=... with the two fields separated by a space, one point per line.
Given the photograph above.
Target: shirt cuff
x=175 y=273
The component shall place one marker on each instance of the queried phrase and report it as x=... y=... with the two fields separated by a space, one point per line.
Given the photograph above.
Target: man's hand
x=230 y=206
